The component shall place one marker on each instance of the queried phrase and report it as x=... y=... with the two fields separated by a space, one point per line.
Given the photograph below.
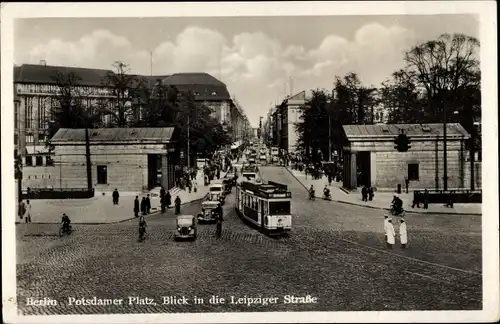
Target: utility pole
x=151 y=62
x=445 y=157
x=87 y=156
x=329 y=138
x=188 y=142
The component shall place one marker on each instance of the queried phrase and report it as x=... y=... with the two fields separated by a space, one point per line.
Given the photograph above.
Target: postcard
x=250 y=162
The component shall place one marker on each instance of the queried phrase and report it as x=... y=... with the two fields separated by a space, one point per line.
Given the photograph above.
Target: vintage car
x=207 y=212
x=217 y=192
x=228 y=185
x=186 y=227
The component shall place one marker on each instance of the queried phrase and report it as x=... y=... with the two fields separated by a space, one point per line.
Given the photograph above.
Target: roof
x=185 y=217
x=46 y=74
x=392 y=130
x=192 y=79
x=202 y=85
x=163 y=134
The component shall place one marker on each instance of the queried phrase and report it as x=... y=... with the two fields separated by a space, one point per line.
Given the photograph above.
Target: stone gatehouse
x=130 y=159
x=370 y=157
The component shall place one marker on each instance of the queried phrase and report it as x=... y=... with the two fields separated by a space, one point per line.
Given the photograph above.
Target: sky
x=260 y=59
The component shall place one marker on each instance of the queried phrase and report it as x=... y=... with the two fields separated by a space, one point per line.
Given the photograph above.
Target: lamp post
x=445 y=155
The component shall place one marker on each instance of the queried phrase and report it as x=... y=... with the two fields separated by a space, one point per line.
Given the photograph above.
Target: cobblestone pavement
x=335 y=253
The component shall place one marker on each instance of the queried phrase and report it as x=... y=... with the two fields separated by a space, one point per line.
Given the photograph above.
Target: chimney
x=43 y=62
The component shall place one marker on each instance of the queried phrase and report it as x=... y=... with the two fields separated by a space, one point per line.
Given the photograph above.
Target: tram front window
x=279 y=208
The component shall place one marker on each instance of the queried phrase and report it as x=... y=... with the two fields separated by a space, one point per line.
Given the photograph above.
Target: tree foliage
x=323 y=115
x=125 y=88
x=69 y=110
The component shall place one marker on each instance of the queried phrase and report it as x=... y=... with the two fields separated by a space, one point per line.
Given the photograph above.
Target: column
x=354 y=175
x=164 y=171
x=373 y=168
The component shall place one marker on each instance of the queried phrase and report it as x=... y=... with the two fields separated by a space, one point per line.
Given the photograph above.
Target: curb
x=120 y=221
x=382 y=208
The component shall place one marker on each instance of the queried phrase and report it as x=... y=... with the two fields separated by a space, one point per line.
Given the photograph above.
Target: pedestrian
x=390 y=234
x=403 y=234
x=386 y=222
x=329 y=179
x=364 y=193
x=190 y=185
x=116 y=196
x=136 y=206
x=162 y=192
x=143 y=206
x=416 y=199
x=370 y=193
x=177 y=205
x=148 y=205
x=168 y=199
x=21 y=210
x=451 y=199
x=27 y=212
x=426 y=199
x=407 y=183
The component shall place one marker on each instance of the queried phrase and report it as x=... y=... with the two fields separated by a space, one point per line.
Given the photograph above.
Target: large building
x=282 y=120
x=36 y=93
x=371 y=159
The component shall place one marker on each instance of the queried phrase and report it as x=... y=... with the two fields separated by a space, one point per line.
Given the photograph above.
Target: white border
x=485 y=10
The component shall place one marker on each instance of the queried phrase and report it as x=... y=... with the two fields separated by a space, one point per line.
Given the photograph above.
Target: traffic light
x=402 y=143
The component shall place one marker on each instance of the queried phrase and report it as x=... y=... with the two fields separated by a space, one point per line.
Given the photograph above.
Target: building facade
x=282 y=120
x=370 y=157
x=129 y=159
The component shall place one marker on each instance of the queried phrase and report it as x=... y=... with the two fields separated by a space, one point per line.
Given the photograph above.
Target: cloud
x=254 y=66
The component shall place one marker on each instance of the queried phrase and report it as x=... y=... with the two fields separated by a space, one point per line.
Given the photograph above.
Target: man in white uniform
x=403 y=234
x=390 y=234
x=386 y=221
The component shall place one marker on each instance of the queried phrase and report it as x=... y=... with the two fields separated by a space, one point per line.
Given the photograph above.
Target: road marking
x=414 y=259
x=426 y=276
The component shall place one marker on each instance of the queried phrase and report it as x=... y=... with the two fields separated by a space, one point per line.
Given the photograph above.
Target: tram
x=265 y=206
x=250 y=173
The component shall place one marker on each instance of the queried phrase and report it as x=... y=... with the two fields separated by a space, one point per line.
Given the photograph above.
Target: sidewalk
x=382 y=200
x=100 y=209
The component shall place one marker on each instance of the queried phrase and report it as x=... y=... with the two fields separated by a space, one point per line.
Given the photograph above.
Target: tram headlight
x=189 y=228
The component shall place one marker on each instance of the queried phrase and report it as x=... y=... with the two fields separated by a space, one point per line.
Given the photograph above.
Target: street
x=335 y=253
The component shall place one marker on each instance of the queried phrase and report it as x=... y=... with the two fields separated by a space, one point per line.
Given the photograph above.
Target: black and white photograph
x=250 y=162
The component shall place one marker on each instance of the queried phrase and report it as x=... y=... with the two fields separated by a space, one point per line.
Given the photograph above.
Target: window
x=102 y=174
x=29 y=161
x=413 y=172
x=49 y=161
x=16 y=139
x=29 y=139
x=39 y=160
x=279 y=208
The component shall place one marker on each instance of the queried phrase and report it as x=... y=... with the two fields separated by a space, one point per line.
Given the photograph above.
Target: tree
x=444 y=68
x=125 y=88
x=401 y=96
x=448 y=69
x=71 y=113
x=313 y=127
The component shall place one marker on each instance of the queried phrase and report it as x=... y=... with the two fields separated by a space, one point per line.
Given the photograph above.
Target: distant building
x=36 y=89
x=206 y=89
x=130 y=159
x=283 y=120
x=370 y=157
